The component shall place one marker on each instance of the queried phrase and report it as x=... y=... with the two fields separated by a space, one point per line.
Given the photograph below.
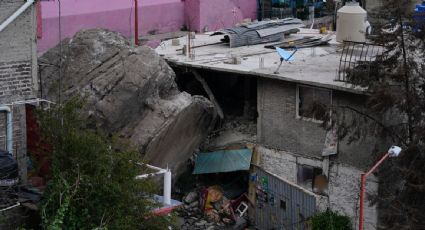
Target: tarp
x=223 y=161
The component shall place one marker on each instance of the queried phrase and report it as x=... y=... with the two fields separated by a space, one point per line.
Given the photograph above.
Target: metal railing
x=357 y=56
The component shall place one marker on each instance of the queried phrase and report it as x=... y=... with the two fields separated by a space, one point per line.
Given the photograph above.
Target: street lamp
x=394 y=151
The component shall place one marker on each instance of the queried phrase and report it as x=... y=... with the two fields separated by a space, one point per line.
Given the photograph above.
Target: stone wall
x=18 y=73
x=344 y=182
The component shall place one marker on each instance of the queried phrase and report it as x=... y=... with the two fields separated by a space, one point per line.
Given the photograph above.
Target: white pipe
x=9 y=128
x=16 y=14
x=30 y=101
x=167 y=180
x=10 y=207
x=167 y=187
x=144 y=176
x=152 y=167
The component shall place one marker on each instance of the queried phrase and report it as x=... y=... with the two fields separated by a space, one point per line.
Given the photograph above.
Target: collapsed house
x=298 y=167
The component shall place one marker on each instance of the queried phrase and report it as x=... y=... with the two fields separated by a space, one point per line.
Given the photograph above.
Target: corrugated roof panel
x=260 y=32
x=223 y=161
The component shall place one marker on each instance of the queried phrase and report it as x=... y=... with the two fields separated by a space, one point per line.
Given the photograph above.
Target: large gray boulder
x=130 y=92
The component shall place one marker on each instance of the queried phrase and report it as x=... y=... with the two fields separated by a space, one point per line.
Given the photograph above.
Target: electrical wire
x=60 y=53
x=129 y=18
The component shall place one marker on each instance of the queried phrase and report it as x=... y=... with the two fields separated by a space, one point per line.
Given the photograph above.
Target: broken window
x=312 y=178
x=313 y=103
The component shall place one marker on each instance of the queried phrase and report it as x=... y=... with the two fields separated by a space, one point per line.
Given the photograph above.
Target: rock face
x=130 y=92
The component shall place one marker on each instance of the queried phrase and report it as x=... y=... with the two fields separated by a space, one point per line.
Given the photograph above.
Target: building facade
x=293 y=145
x=18 y=76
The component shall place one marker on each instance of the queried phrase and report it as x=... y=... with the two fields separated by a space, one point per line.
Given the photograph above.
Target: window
x=312 y=178
x=313 y=103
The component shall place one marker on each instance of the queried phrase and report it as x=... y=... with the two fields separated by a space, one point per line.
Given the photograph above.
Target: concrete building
x=18 y=75
x=290 y=143
x=155 y=16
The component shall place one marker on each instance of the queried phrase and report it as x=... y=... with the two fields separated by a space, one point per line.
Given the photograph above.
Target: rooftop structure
x=316 y=66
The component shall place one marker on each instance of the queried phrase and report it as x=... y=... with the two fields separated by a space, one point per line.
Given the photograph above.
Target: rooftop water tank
x=351 y=23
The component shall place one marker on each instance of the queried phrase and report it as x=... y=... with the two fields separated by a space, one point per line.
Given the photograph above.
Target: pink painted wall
x=118 y=15
x=217 y=14
x=154 y=15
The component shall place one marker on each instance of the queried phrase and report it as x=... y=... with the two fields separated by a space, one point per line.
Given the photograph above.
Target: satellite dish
x=284 y=56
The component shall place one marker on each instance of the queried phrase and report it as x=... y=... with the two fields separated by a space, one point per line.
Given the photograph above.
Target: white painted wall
x=344 y=183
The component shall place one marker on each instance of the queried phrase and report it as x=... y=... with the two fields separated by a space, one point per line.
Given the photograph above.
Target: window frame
x=298 y=100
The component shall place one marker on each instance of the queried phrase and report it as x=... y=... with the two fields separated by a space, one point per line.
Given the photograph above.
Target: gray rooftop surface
x=316 y=66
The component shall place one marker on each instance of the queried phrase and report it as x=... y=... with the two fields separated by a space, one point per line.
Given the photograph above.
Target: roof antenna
x=284 y=56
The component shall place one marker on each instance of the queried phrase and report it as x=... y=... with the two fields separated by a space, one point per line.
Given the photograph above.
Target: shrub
x=92 y=185
x=330 y=220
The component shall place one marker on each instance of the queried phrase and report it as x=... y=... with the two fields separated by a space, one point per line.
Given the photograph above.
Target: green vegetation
x=92 y=185
x=330 y=220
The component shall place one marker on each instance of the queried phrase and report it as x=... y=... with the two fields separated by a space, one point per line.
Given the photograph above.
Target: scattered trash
x=8 y=169
x=208 y=208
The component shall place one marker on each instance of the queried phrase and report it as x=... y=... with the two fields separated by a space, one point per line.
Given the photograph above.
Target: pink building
x=155 y=16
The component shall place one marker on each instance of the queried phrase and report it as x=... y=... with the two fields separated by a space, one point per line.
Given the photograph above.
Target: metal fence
x=275 y=12
x=281 y=205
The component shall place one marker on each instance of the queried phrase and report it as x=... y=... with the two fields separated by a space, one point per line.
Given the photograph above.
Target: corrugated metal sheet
x=223 y=161
x=260 y=32
x=280 y=204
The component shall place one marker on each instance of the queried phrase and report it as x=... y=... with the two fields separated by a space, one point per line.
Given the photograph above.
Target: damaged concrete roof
x=317 y=66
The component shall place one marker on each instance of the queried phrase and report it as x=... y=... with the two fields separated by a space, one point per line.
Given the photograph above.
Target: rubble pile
x=233 y=131
x=208 y=208
x=130 y=93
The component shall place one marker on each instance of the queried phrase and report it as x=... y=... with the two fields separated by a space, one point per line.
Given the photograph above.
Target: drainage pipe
x=12 y=18
x=167 y=187
x=9 y=128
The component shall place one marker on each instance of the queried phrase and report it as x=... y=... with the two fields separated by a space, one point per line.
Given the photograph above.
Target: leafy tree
x=395 y=111
x=92 y=185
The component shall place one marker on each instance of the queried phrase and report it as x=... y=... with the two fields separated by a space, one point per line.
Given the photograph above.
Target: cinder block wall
x=18 y=72
x=278 y=127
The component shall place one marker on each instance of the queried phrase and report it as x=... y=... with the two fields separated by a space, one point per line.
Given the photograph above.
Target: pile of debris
x=208 y=208
x=234 y=131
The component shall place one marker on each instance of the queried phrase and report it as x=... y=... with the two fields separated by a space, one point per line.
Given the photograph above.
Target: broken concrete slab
x=130 y=92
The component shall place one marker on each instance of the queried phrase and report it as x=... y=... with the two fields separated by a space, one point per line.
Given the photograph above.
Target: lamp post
x=394 y=151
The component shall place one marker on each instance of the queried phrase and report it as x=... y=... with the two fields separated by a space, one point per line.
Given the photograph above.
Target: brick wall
x=16 y=80
x=18 y=72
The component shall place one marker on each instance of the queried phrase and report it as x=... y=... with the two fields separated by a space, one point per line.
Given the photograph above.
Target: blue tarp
x=223 y=161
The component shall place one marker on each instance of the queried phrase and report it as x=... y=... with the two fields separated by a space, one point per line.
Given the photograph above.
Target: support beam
x=209 y=92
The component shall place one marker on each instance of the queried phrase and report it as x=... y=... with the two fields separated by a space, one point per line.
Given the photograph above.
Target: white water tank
x=351 y=23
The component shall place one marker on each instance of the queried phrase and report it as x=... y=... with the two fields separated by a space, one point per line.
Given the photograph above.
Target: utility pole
x=136 y=22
